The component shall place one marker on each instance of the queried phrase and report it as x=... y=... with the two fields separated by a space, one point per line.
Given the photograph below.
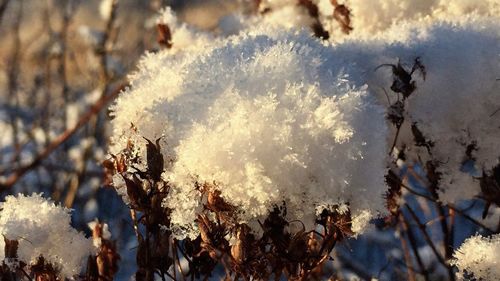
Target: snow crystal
x=479 y=256
x=264 y=118
x=43 y=229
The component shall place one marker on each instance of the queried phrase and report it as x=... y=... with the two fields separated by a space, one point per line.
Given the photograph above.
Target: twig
x=13 y=73
x=177 y=260
x=406 y=251
x=414 y=246
x=429 y=241
x=451 y=206
x=67 y=14
x=102 y=49
x=104 y=75
x=62 y=138
x=494 y=112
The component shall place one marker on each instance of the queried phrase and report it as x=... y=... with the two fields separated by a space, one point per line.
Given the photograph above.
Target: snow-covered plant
x=375 y=18
x=454 y=104
x=361 y=19
x=480 y=257
x=42 y=230
x=264 y=119
x=259 y=139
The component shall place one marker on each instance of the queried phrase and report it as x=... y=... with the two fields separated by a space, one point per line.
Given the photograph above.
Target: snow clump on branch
x=43 y=229
x=479 y=256
x=265 y=119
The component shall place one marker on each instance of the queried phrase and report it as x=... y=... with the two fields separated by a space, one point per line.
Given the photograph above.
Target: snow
x=453 y=107
x=480 y=256
x=264 y=118
x=274 y=115
x=43 y=229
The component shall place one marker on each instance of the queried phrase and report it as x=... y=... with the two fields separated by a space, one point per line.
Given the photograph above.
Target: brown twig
x=62 y=138
x=409 y=264
x=414 y=247
x=427 y=238
x=104 y=75
x=13 y=76
x=103 y=47
x=451 y=206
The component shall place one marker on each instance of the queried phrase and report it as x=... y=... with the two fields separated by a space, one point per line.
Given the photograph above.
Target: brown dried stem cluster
x=280 y=251
x=341 y=14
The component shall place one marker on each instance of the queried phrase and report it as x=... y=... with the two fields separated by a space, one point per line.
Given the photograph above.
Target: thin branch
x=67 y=15
x=62 y=138
x=414 y=246
x=427 y=238
x=451 y=206
x=13 y=76
x=103 y=48
x=406 y=251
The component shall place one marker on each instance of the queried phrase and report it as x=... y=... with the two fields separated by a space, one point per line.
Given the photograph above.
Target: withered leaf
x=139 y=199
x=154 y=159
x=164 y=35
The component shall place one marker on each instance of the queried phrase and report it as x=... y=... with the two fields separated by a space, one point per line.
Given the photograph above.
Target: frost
x=264 y=118
x=479 y=256
x=454 y=106
x=43 y=229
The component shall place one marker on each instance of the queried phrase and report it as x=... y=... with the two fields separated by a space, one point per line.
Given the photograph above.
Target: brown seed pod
x=216 y=204
x=206 y=227
x=155 y=160
x=402 y=79
x=92 y=272
x=164 y=37
x=297 y=248
x=313 y=10
x=11 y=247
x=239 y=250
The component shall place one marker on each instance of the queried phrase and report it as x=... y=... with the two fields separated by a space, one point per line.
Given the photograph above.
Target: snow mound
x=479 y=256
x=43 y=229
x=264 y=118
